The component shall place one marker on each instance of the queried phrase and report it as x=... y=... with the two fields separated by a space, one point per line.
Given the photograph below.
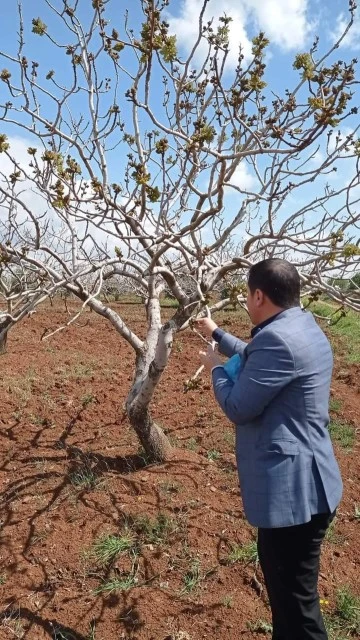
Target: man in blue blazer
x=289 y=478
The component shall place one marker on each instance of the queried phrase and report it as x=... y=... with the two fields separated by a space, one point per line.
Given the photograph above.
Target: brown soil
x=62 y=420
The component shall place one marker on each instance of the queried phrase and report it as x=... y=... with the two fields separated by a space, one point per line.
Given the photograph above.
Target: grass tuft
x=84 y=478
x=213 y=454
x=192 y=577
x=260 y=626
x=158 y=530
x=344 y=621
x=343 y=433
x=243 y=553
x=124 y=583
x=106 y=549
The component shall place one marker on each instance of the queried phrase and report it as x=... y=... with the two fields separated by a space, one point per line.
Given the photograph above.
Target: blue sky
x=291 y=26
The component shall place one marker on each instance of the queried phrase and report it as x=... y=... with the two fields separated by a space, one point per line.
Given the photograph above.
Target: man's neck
x=264 y=323
x=270 y=313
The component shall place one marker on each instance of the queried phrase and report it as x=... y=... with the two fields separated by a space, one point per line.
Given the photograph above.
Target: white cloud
x=18 y=149
x=32 y=199
x=317 y=158
x=338 y=137
x=242 y=178
x=284 y=22
x=352 y=39
x=186 y=26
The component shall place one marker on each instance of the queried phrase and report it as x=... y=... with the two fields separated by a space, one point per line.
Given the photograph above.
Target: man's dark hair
x=278 y=280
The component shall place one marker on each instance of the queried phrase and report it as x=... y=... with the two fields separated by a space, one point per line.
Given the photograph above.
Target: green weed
x=157 y=530
x=83 y=370
x=20 y=387
x=108 y=547
x=92 y=631
x=342 y=433
x=227 y=601
x=169 y=487
x=192 y=444
x=61 y=633
x=11 y=622
x=39 y=421
x=124 y=583
x=243 y=553
x=169 y=303
x=344 y=622
x=84 y=479
x=229 y=438
x=332 y=535
x=178 y=347
x=335 y=404
x=213 y=454
x=87 y=399
x=348 y=609
x=39 y=536
x=260 y=626
x=144 y=456
x=192 y=577
x=48 y=401
x=76 y=371
x=344 y=328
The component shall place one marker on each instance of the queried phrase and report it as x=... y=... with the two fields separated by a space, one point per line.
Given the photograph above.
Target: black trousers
x=290 y=558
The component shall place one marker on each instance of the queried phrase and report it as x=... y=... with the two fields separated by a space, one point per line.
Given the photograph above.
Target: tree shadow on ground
x=21 y=619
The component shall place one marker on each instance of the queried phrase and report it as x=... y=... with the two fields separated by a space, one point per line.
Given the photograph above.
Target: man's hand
x=206 y=325
x=210 y=358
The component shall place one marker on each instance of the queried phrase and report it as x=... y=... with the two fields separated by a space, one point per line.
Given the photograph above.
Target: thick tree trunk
x=4 y=330
x=150 y=364
x=153 y=440
x=3 y=341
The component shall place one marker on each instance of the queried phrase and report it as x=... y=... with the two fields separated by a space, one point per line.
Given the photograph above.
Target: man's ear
x=259 y=297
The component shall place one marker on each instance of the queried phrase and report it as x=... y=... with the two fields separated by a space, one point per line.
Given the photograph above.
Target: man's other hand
x=210 y=358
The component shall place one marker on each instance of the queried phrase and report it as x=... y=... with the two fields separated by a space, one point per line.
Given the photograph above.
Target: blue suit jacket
x=279 y=404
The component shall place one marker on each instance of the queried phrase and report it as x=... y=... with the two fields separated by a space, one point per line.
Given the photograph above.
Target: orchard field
x=98 y=545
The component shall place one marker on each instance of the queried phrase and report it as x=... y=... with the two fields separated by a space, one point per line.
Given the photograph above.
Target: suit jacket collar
x=282 y=314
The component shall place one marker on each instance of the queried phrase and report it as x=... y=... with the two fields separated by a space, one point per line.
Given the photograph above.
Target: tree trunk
x=3 y=341
x=4 y=330
x=150 y=364
x=153 y=440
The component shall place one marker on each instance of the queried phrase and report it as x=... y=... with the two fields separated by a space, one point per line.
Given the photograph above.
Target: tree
x=355 y=282
x=22 y=288
x=137 y=162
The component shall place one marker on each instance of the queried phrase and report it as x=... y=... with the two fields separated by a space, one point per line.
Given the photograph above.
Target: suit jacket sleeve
x=229 y=345
x=268 y=368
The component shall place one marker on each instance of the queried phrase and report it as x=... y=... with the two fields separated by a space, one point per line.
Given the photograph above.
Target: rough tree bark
x=4 y=329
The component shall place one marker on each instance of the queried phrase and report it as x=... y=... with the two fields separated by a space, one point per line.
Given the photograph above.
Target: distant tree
x=355 y=282
x=22 y=288
x=133 y=155
x=342 y=284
